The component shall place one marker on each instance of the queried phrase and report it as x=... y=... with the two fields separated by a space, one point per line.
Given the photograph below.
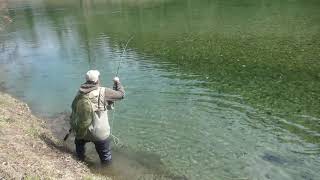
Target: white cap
x=92 y=75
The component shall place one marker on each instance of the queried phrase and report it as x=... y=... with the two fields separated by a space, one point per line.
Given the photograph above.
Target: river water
x=215 y=89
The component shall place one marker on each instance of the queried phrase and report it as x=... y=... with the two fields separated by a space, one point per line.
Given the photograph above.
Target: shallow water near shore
x=214 y=89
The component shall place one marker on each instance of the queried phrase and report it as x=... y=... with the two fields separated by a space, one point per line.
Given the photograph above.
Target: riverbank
x=28 y=149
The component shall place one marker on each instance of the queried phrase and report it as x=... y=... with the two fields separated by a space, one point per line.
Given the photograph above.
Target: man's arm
x=117 y=93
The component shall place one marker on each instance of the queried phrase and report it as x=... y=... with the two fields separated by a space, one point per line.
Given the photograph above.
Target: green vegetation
x=271 y=66
x=274 y=69
x=246 y=49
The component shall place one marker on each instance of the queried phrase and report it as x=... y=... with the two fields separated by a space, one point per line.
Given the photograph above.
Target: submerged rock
x=275 y=159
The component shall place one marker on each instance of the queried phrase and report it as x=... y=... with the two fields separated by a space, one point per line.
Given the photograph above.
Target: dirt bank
x=28 y=150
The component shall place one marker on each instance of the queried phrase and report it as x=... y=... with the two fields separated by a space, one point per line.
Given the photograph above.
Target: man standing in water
x=89 y=118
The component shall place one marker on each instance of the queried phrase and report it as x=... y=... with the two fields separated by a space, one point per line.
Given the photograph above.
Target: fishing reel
x=110 y=105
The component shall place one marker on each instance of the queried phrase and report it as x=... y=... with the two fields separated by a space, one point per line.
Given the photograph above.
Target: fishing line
x=115 y=139
x=123 y=52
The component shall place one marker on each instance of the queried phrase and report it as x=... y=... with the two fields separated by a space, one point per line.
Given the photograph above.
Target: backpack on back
x=82 y=115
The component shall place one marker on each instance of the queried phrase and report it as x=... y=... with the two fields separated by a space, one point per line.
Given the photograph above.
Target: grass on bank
x=29 y=151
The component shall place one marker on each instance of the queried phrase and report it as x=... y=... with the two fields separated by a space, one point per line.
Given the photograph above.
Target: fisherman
x=89 y=118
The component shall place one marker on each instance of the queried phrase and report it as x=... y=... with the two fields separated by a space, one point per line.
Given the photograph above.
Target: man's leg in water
x=80 y=148
x=104 y=150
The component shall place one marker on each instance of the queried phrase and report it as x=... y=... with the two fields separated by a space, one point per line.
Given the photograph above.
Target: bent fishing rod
x=121 y=58
x=116 y=140
x=123 y=52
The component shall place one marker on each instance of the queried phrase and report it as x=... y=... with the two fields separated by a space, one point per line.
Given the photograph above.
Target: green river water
x=215 y=89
